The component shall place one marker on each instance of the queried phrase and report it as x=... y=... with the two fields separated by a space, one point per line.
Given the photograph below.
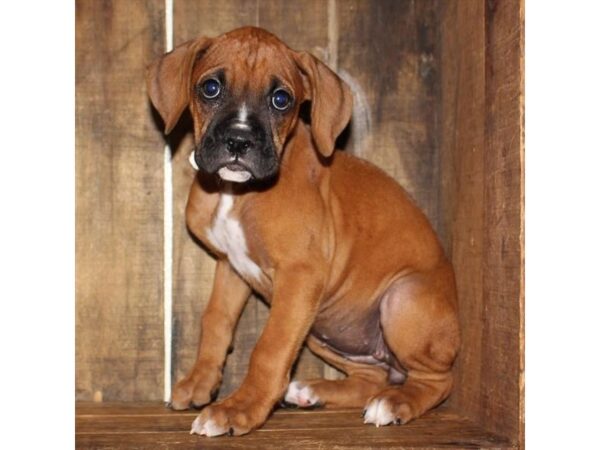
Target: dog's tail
x=359 y=132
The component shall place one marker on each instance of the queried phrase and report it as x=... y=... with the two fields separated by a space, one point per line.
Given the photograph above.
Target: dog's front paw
x=194 y=391
x=233 y=416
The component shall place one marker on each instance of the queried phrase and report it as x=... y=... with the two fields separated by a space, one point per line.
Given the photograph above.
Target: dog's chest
x=227 y=235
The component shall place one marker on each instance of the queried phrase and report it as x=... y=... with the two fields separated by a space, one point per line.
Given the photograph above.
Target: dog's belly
x=347 y=336
x=357 y=338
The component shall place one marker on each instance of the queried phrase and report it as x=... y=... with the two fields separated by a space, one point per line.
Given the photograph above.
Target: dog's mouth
x=234 y=172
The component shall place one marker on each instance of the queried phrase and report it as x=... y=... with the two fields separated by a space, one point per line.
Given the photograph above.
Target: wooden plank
x=461 y=438
x=482 y=204
x=462 y=148
x=387 y=48
x=301 y=28
x=280 y=420
x=119 y=176
x=284 y=429
x=503 y=362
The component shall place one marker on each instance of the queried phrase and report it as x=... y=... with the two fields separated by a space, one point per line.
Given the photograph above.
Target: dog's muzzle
x=237 y=152
x=238 y=141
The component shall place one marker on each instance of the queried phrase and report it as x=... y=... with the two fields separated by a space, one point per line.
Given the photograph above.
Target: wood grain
x=462 y=109
x=119 y=348
x=503 y=282
x=482 y=203
x=152 y=426
x=301 y=28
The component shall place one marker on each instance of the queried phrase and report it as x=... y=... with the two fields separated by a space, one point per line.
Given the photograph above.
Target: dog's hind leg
x=363 y=382
x=420 y=327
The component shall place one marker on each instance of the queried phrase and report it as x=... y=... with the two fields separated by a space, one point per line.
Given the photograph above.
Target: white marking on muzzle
x=243 y=114
x=241 y=122
x=240 y=125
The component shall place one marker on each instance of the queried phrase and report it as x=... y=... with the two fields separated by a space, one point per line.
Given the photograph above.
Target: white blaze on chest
x=227 y=235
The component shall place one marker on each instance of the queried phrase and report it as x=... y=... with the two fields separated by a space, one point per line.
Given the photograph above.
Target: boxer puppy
x=346 y=260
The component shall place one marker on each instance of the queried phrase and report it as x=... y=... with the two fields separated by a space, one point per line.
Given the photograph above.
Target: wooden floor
x=153 y=426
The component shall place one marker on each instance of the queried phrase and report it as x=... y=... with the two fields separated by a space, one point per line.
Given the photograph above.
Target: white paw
x=208 y=428
x=379 y=412
x=302 y=396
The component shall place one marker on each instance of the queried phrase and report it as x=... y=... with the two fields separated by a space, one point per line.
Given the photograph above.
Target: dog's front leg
x=219 y=318
x=296 y=294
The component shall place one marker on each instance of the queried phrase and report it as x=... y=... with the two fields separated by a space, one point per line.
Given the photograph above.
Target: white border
x=37 y=228
x=562 y=189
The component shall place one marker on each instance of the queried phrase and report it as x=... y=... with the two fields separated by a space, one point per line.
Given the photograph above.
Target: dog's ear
x=168 y=80
x=331 y=101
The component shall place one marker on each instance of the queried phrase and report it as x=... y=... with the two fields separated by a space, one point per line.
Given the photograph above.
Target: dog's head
x=244 y=90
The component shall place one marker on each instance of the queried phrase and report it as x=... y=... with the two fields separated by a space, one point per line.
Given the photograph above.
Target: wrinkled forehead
x=250 y=63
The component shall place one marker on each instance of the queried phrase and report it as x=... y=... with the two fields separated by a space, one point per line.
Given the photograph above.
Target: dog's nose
x=239 y=143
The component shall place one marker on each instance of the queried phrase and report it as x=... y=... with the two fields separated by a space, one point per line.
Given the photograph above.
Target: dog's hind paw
x=379 y=412
x=301 y=395
x=386 y=409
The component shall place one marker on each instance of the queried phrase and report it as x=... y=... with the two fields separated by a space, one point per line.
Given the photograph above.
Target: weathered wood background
x=439 y=87
x=481 y=202
x=119 y=197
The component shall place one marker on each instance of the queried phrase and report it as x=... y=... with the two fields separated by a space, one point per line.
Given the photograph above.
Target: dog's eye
x=211 y=88
x=281 y=100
